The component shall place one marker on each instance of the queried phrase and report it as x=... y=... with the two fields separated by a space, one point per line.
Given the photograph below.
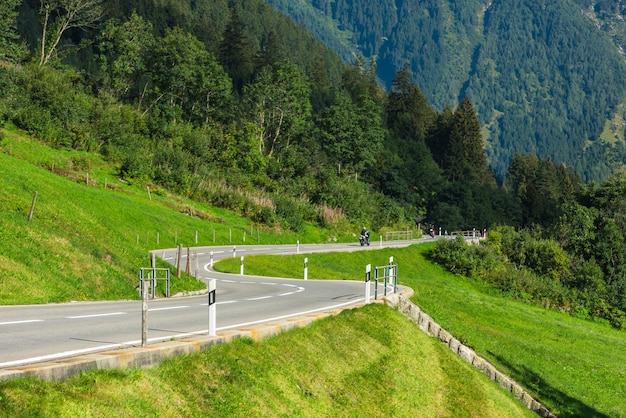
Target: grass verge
x=368 y=362
x=575 y=367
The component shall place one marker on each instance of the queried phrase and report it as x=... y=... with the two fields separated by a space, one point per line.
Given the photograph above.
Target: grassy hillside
x=575 y=367
x=90 y=233
x=368 y=362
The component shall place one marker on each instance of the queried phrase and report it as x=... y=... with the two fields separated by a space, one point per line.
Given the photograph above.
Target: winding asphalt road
x=35 y=333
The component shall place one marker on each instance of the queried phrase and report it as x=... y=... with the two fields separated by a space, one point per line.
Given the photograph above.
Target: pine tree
x=271 y=51
x=408 y=113
x=8 y=31
x=236 y=52
x=438 y=137
x=467 y=159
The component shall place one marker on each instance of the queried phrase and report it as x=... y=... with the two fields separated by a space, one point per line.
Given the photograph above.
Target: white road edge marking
x=167 y=309
x=72 y=353
x=95 y=315
x=21 y=322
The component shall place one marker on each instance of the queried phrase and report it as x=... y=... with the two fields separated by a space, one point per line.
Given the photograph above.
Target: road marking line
x=220 y=303
x=277 y=318
x=167 y=309
x=74 y=353
x=21 y=322
x=260 y=298
x=95 y=316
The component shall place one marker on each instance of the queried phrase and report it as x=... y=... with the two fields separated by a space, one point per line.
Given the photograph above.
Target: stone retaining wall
x=430 y=327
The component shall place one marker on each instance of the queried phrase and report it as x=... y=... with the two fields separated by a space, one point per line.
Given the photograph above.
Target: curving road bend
x=35 y=333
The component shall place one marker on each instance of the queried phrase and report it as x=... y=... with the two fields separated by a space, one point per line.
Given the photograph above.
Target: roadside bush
x=291 y=214
x=468 y=260
x=389 y=212
x=11 y=96
x=546 y=258
x=264 y=215
x=523 y=284
x=456 y=256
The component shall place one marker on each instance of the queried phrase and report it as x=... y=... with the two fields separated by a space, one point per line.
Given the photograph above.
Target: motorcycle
x=431 y=232
x=365 y=239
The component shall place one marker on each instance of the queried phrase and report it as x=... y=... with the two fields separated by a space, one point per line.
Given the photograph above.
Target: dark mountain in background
x=546 y=77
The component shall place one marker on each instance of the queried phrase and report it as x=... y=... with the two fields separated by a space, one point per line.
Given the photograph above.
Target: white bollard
x=144 y=314
x=241 y=266
x=197 y=263
x=298 y=247
x=306 y=268
x=368 y=270
x=212 y=307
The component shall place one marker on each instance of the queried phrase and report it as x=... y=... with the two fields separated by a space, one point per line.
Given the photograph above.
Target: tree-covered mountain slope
x=546 y=77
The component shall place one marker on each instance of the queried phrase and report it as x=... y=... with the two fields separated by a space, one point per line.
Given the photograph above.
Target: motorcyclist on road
x=365 y=236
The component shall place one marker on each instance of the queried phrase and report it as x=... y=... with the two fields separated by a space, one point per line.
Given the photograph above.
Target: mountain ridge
x=545 y=78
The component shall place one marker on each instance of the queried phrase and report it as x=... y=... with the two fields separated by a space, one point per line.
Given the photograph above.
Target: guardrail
x=472 y=233
x=394 y=235
x=409 y=234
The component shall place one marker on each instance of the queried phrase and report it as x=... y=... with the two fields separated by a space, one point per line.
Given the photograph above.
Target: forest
x=234 y=105
x=545 y=77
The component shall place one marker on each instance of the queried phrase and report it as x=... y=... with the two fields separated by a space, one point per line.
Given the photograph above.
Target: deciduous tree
x=188 y=79
x=278 y=101
x=59 y=16
x=124 y=48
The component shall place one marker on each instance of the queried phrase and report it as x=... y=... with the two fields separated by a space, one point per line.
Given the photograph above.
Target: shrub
x=456 y=256
x=546 y=258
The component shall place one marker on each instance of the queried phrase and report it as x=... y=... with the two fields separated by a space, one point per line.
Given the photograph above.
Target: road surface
x=35 y=333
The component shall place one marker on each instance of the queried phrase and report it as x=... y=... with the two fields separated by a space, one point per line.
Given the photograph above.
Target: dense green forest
x=233 y=105
x=545 y=77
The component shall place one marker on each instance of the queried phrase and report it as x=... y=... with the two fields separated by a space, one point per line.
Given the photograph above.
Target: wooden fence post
x=32 y=207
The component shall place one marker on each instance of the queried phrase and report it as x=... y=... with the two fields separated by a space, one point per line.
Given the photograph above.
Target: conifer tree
x=8 y=31
x=408 y=113
x=271 y=51
x=438 y=137
x=236 y=52
x=360 y=80
x=465 y=157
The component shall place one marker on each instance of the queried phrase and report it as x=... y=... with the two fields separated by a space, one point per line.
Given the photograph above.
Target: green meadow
x=576 y=367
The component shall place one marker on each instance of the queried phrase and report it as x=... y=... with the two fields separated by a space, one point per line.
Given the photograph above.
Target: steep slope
x=544 y=77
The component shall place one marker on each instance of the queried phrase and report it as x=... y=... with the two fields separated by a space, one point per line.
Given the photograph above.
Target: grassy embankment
x=576 y=367
x=88 y=241
x=368 y=362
